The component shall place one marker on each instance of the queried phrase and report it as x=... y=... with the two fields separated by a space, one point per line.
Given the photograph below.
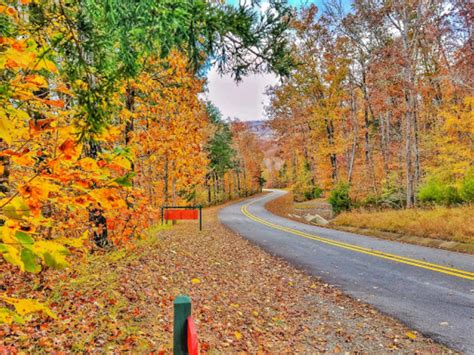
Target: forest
x=105 y=118
x=103 y=121
x=379 y=108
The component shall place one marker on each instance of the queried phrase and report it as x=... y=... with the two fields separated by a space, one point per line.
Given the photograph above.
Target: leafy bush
x=340 y=199
x=439 y=192
x=467 y=187
x=305 y=188
x=313 y=193
x=392 y=195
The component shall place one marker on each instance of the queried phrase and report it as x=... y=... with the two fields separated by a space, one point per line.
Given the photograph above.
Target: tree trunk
x=356 y=134
x=166 y=181
x=332 y=155
x=96 y=215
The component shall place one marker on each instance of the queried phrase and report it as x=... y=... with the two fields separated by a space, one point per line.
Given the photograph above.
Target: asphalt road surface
x=429 y=290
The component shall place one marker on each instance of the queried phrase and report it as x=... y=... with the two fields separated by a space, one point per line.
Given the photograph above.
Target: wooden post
x=200 y=218
x=182 y=310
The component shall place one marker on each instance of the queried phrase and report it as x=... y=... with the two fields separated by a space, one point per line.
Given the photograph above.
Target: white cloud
x=244 y=100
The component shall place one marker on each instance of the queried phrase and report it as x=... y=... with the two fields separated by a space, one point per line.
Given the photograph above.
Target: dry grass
x=451 y=224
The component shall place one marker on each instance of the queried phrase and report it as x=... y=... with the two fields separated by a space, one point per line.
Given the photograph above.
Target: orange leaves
x=38 y=191
x=68 y=147
x=108 y=198
x=38 y=125
x=54 y=103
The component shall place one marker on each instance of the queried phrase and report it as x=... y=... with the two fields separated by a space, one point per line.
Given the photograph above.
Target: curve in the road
x=409 y=261
x=430 y=290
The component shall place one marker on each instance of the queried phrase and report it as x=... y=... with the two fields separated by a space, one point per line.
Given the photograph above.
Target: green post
x=182 y=310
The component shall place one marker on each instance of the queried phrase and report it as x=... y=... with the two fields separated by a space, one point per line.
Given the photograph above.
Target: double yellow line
x=379 y=254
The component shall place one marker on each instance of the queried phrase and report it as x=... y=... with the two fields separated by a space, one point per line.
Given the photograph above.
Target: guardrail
x=185 y=339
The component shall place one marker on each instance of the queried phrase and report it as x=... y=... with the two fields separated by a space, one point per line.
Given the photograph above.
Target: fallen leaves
x=24 y=307
x=123 y=301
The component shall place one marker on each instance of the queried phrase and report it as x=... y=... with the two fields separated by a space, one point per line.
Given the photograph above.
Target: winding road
x=430 y=290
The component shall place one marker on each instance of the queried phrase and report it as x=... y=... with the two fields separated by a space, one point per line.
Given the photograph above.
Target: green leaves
x=126 y=180
x=29 y=260
x=53 y=254
x=26 y=253
x=24 y=239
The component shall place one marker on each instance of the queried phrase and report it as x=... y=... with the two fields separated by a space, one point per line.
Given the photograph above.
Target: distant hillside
x=261 y=129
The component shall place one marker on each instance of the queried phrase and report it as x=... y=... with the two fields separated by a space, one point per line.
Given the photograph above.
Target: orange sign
x=173 y=215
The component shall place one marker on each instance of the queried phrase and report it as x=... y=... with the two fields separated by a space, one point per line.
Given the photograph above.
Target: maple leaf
x=68 y=147
x=8 y=317
x=6 y=127
x=26 y=306
x=52 y=253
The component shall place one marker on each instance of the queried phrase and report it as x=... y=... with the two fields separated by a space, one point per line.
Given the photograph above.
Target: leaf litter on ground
x=243 y=300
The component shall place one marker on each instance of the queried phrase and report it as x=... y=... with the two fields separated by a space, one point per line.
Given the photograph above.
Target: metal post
x=182 y=310
x=162 y=216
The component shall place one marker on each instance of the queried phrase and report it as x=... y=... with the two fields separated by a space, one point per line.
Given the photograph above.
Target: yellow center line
x=397 y=258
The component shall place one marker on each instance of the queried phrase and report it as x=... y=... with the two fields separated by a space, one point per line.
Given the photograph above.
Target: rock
x=293 y=215
x=316 y=219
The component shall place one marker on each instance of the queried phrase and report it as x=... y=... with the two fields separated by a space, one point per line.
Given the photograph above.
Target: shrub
x=467 y=187
x=313 y=192
x=340 y=199
x=439 y=192
x=391 y=194
x=305 y=187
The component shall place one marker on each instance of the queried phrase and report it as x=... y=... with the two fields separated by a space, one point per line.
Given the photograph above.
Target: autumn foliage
x=381 y=101
x=90 y=149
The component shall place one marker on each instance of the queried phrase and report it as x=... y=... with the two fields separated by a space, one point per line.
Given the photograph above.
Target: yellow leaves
x=195 y=281
x=48 y=65
x=12 y=123
x=15 y=58
x=238 y=335
x=20 y=249
x=6 y=128
x=88 y=164
x=26 y=306
x=411 y=335
x=38 y=190
x=16 y=208
x=12 y=255
x=26 y=160
x=107 y=198
x=34 y=82
x=8 y=317
x=122 y=162
x=53 y=254
x=8 y=10
x=73 y=242
x=111 y=133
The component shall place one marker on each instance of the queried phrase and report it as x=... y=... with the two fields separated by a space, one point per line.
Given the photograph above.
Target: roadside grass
x=450 y=228
x=450 y=224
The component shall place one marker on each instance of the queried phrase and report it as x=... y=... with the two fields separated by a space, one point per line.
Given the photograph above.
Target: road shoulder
x=283 y=207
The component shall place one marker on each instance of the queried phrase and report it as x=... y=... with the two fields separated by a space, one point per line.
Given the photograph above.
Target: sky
x=245 y=100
